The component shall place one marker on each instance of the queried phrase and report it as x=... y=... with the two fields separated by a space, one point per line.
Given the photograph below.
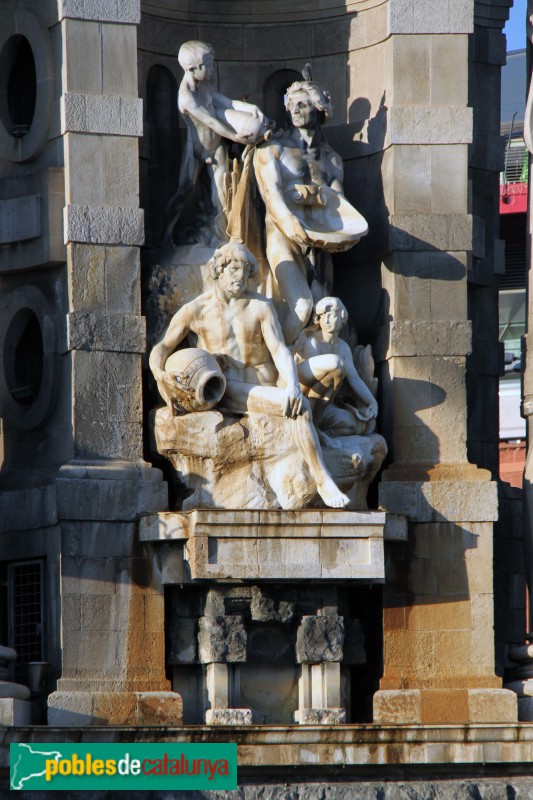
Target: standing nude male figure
x=210 y=117
x=300 y=156
x=242 y=326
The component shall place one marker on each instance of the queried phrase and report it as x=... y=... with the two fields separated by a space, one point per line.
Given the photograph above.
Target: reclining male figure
x=261 y=377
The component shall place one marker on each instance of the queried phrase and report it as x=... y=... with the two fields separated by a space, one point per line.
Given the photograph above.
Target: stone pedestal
x=257 y=630
x=319 y=649
x=113 y=669
x=283 y=545
x=438 y=602
x=319 y=695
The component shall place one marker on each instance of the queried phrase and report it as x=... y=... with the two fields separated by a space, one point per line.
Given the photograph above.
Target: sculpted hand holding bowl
x=300 y=179
x=210 y=117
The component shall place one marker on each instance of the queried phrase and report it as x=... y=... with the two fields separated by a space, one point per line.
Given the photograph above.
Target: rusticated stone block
x=127 y=11
x=398 y=707
x=114 y=708
x=425 y=338
x=114 y=500
x=444 y=706
x=228 y=716
x=320 y=716
x=106 y=278
x=39 y=504
x=159 y=708
x=107 y=114
x=431 y=125
x=266 y=609
x=221 y=639
x=320 y=639
x=424 y=16
x=119 y=333
x=104 y=224
x=118 y=708
x=450 y=232
x=441 y=501
x=492 y=705
x=70 y=708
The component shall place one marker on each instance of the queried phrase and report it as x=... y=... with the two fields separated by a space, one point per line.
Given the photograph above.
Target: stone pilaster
x=438 y=596
x=112 y=613
x=319 y=650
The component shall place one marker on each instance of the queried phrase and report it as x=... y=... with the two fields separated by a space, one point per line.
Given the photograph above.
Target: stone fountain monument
x=266 y=409
x=213 y=329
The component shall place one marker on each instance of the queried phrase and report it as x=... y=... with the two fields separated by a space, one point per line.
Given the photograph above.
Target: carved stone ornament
x=268 y=407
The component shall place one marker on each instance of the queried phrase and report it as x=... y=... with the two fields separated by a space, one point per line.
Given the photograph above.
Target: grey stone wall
x=453 y=789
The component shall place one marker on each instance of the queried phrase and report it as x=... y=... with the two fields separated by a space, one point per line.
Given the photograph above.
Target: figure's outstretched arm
x=357 y=385
x=283 y=360
x=199 y=113
x=222 y=101
x=268 y=177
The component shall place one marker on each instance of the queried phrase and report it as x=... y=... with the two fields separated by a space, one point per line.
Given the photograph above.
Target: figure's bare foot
x=332 y=495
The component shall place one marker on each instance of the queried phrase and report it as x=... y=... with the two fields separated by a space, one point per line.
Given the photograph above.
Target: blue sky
x=515 y=29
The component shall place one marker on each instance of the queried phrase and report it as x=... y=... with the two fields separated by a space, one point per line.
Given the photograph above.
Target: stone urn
x=199 y=383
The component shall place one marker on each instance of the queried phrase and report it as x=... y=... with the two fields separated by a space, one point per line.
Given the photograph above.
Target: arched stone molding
x=28 y=147
x=17 y=309
x=254 y=11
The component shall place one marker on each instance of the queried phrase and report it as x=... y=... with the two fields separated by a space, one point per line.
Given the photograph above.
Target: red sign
x=513 y=198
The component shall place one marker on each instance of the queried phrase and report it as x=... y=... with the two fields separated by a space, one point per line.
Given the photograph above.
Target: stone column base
x=320 y=716
x=228 y=716
x=444 y=706
x=14 y=711
x=67 y=709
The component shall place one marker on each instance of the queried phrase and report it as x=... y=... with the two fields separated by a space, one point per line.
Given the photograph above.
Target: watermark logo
x=123 y=766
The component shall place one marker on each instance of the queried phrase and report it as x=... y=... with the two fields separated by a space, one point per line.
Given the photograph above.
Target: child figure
x=210 y=117
x=324 y=362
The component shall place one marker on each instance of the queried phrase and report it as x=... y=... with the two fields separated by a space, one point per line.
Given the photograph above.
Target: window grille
x=26 y=611
x=515 y=266
x=516 y=164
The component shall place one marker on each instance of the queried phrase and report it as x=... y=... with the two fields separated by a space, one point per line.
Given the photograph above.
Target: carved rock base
x=252 y=462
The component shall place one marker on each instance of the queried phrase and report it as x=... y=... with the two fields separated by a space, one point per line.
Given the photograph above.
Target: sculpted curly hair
x=232 y=251
x=318 y=97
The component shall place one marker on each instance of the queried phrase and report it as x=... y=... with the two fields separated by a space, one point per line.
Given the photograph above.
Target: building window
x=21 y=86
x=25 y=580
x=24 y=357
